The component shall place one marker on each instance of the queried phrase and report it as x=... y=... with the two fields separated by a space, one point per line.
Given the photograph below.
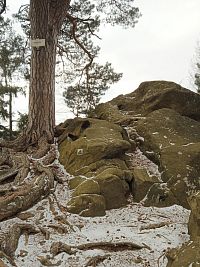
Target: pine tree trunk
x=46 y=19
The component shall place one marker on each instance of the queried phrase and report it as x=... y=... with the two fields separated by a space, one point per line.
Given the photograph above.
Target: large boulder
x=89 y=186
x=163 y=120
x=114 y=187
x=143 y=181
x=188 y=255
x=100 y=140
x=175 y=143
x=93 y=151
x=154 y=95
x=194 y=221
x=87 y=205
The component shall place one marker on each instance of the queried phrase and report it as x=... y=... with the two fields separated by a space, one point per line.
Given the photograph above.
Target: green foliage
x=197 y=77
x=22 y=121
x=11 y=52
x=2 y=6
x=116 y=12
x=11 y=65
x=83 y=97
x=3 y=103
x=86 y=80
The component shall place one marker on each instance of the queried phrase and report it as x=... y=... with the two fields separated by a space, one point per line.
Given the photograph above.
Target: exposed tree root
x=60 y=218
x=45 y=232
x=21 y=143
x=154 y=225
x=50 y=156
x=23 y=165
x=7 y=173
x=9 y=259
x=42 y=148
x=94 y=261
x=46 y=261
x=27 y=194
x=61 y=229
x=59 y=247
x=10 y=240
x=24 y=180
x=109 y=246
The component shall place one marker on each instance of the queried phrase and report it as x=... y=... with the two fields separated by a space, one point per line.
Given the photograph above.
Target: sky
x=160 y=47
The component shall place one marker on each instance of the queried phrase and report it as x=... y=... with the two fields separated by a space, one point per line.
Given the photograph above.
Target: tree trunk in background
x=46 y=18
x=10 y=116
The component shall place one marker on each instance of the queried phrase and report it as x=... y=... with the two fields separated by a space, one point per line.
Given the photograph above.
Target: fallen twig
x=58 y=247
x=154 y=226
x=94 y=261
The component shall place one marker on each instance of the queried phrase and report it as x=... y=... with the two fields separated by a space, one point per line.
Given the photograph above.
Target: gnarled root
x=10 y=240
x=27 y=194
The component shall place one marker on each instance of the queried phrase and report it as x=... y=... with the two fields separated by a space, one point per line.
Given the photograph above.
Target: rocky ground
x=121 y=188
x=133 y=235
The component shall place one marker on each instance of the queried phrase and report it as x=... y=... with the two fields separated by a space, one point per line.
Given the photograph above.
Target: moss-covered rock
x=160 y=195
x=113 y=189
x=142 y=182
x=88 y=186
x=175 y=141
x=155 y=95
x=87 y=205
x=95 y=148
x=97 y=167
x=194 y=221
x=75 y=181
x=99 y=141
x=187 y=255
x=109 y=112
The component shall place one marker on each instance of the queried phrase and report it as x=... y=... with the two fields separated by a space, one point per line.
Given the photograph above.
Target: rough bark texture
x=25 y=179
x=46 y=20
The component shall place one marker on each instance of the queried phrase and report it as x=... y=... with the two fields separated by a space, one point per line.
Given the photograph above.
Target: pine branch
x=73 y=21
x=3 y=8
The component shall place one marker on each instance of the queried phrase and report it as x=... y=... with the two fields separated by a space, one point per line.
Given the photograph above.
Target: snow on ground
x=138 y=159
x=155 y=229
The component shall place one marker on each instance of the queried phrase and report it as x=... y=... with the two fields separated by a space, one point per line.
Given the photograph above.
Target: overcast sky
x=161 y=46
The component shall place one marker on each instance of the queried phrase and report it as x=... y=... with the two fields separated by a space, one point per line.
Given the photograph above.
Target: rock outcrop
x=93 y=150
x=161 y=120
x=175 y=143
x=154 y=95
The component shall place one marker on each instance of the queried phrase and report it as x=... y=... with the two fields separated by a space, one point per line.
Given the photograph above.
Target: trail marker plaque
x=37 y=42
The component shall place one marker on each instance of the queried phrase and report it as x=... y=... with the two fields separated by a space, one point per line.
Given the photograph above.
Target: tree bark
x=46 y=19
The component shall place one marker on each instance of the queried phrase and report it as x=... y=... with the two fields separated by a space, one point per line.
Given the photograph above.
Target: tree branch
x=3 y=8
x=73 y=21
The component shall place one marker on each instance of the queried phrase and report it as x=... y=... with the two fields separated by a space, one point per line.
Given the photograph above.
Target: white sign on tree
x=37 y=42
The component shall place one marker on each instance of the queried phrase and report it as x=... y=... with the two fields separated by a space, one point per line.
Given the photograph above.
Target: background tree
x=11 y=64
x=2 y=6
x=197 y=74
x=22 y=121
x=47 y=18
x=82 y=97
x=3 y=103
x=82 y=94
x=77 y=22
